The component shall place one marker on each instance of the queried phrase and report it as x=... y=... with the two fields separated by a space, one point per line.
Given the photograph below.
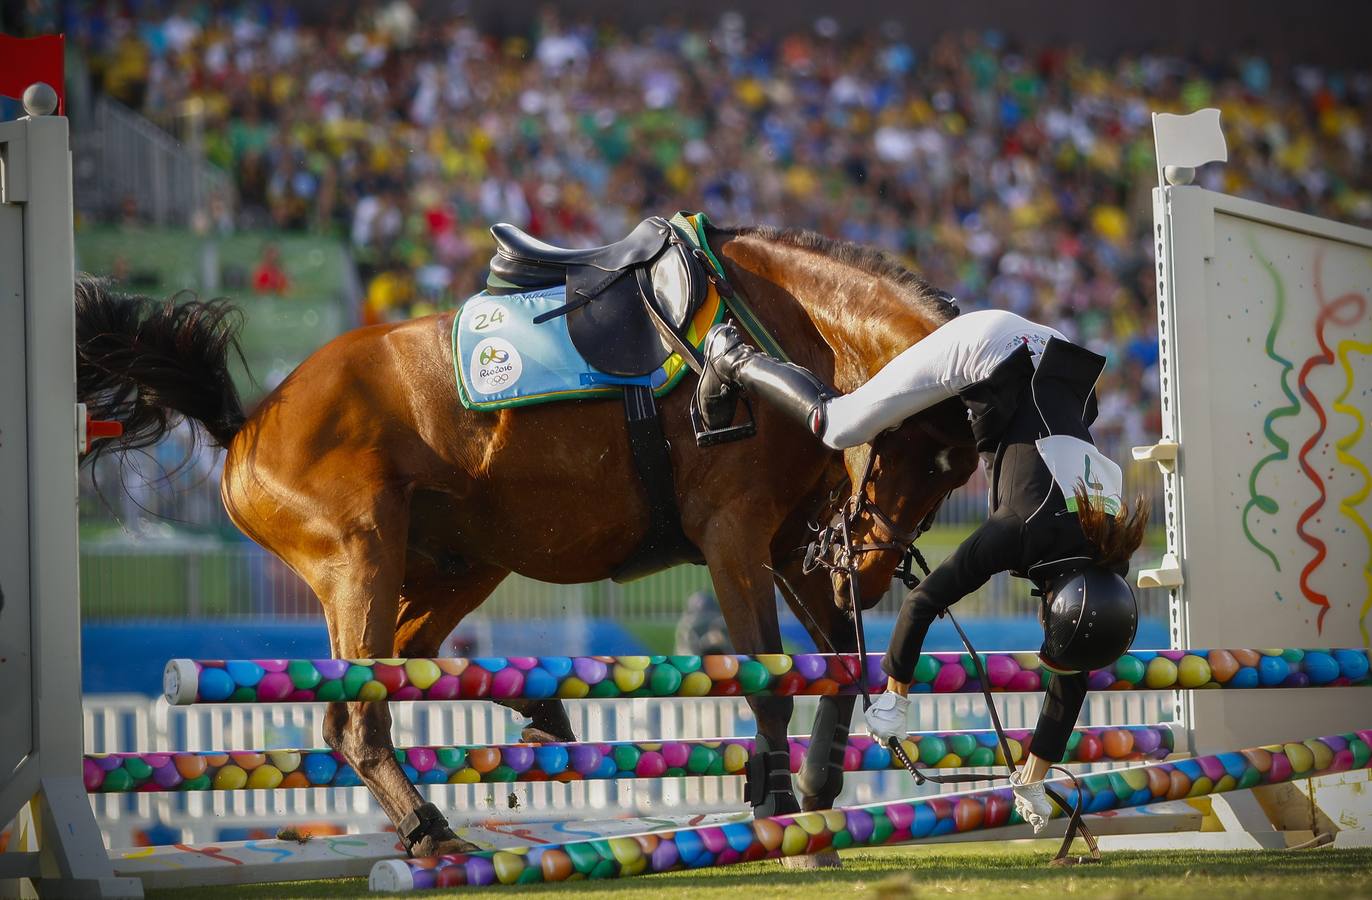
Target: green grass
x=1014 y=872
x=153 y=583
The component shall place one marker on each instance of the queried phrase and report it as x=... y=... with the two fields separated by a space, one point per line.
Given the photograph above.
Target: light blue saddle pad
x=503 y=359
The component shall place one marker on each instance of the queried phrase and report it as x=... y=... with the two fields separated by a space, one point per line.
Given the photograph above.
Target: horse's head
x=844 y=311
x=897 y=484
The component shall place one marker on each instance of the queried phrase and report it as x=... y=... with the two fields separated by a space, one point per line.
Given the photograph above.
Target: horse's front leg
x=737 y=554
x=821 y=773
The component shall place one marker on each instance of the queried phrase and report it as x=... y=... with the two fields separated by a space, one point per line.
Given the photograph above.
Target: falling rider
x=1057 y=515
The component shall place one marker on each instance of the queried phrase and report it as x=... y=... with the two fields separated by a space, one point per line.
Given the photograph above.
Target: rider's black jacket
x=1029 y=532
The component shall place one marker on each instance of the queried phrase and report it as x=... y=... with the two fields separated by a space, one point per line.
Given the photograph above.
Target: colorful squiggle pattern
x=883 y=824
x=1348 y=505
x=227 y=770
x=1256 y=499
x=1344 y=310
x=809 y=674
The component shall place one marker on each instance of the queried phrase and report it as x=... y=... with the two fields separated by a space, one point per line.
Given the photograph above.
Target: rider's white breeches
x=952 y=357
x=905 y=386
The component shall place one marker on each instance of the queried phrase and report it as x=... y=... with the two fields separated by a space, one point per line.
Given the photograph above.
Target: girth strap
x=664 y=544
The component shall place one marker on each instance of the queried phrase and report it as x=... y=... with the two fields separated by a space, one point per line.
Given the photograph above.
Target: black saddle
x=628 y=303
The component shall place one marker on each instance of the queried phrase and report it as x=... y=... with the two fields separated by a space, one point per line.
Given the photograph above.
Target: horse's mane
x=867 y=259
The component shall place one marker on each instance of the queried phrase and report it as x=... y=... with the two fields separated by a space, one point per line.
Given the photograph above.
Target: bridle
x=835 y=550
x=836 y=540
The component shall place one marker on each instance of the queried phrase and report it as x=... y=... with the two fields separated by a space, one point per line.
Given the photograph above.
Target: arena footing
x=354 y=855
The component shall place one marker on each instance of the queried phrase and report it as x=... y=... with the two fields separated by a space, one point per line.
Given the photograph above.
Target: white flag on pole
x=1191 y=140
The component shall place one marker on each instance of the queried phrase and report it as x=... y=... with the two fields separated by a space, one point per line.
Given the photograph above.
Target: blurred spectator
x=391 y=290
x=269 y=277
x=701 y=629
x=1009 y=175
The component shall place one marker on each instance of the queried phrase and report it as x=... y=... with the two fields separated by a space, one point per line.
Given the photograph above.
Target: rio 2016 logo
x=495 y=366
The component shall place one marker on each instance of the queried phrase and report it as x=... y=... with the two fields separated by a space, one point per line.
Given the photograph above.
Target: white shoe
x=1031 y=802
x=886 y=717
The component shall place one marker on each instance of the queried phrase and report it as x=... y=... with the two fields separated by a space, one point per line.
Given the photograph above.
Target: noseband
x=835 y=549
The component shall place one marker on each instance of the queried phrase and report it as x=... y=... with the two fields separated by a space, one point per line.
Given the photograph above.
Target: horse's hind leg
x=359 y=586
x=431 y=606
x=548 y=721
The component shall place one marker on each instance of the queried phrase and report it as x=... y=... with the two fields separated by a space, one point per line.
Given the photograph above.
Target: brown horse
x=403 y=510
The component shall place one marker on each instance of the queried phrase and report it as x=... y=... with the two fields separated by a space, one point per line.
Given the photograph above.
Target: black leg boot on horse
x=768 y=787
x=731 y=364
x=821 y=772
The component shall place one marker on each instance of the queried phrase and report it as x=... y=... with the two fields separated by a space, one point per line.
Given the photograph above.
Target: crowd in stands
x=1014 y=177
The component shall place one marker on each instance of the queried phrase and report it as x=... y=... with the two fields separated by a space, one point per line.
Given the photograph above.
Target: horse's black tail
x=142 y=361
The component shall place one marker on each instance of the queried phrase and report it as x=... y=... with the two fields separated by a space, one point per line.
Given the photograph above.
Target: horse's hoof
x=457 y=845
x=428 y=846
x=825 y=859
x=535 y=735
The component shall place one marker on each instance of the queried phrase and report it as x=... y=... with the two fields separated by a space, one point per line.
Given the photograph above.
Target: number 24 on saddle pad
x=503 y=359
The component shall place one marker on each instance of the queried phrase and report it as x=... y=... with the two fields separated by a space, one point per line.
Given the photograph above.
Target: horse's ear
x=856 y=459
x=949 y=299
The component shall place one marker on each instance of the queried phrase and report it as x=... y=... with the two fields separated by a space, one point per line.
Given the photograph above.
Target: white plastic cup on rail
x=391 y=876
x=180 y=682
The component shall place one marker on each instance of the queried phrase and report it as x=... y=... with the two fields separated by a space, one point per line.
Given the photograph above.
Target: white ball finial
x=40 y=99
x=1179 y=174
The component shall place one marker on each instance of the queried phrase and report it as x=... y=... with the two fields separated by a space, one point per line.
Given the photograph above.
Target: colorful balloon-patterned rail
x=871 y=826
x=280 y=680
x=251 y=770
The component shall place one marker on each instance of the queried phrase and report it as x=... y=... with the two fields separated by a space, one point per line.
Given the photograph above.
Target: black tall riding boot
x=731 y=364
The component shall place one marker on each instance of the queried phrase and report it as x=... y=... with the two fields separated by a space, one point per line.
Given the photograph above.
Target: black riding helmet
x=1089 y=620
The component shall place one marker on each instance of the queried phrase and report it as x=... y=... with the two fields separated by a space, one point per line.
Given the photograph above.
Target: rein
x=836 y=540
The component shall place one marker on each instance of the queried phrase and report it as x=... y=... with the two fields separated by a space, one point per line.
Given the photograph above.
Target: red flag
x=26 y=60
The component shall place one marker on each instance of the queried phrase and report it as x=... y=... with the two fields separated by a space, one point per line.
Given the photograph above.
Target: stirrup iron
x=712 y=437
